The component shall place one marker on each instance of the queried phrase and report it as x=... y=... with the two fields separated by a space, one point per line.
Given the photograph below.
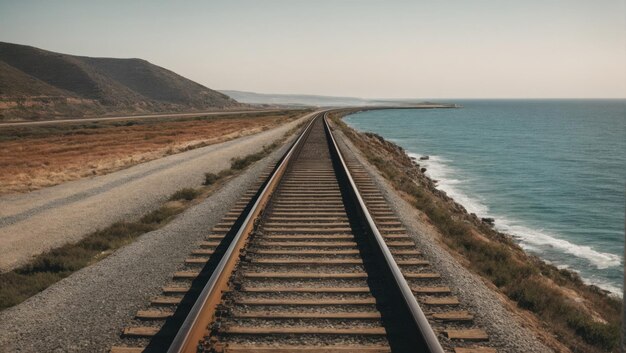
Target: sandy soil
x=33 y=157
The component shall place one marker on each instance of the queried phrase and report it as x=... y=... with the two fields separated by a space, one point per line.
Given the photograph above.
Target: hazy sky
x=385 y=48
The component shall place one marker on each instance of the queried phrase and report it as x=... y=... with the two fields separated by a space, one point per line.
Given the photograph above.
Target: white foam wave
x=446 y=177
x=606 y=285
x=535 y=240
x=540 y=237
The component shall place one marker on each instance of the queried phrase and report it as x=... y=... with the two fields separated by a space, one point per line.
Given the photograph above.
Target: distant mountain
x=296 y=99
x=36 y=83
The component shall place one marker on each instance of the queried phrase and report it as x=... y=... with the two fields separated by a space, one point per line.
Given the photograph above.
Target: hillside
x=36 y=83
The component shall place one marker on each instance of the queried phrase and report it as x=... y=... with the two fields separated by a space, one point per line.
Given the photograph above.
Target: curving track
x=314 y=260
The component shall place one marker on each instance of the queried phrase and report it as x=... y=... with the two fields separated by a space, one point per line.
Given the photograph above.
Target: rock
x=423 y=170
x=424 y=158
x=488 y=220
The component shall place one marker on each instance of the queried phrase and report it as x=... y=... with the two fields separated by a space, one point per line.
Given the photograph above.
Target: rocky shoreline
x=541 y=293
x=485 y=224
x=485 y=221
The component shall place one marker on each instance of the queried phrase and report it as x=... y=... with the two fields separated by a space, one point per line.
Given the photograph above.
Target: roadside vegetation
x=583 y=318
x=50 y=267
x=36 y=156
x=186 y=194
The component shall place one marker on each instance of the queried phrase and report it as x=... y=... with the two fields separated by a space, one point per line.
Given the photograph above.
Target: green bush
x=600 y=334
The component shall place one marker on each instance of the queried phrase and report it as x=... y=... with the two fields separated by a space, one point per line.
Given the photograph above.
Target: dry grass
x=50 y=267
x=38 y=156
x=582 y=317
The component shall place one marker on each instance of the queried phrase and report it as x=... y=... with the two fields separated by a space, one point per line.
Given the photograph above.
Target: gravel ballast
x=87 y=311
x=504 y=327
x=44 y=219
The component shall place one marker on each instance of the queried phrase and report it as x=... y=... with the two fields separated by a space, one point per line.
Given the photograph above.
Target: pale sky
x=359 y=48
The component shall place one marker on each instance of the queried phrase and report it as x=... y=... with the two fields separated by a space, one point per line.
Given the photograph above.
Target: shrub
x=238 y=163
x=241 y=163
x=604 y=335
x=185 y=194
x=210 y=178
x=159 y=216
x=224 y=173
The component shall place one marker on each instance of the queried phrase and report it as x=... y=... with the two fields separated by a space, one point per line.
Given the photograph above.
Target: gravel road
x=505 y=329
x=87 y=311
x=44 y=219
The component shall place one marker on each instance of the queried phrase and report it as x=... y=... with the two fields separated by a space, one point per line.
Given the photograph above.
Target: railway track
x=313 y=259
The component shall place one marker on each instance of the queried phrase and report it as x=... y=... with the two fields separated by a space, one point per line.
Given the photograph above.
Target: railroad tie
x=307 y=270
x=468 y=335
x=240 y=348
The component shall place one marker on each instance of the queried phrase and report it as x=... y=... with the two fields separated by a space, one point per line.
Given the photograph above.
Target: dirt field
x=36 y=156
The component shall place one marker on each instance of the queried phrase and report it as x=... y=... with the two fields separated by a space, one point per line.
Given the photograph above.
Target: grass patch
x=185 y=194
x=210 y=178
x=528 y=281
x=50 y=267
x=243 y=162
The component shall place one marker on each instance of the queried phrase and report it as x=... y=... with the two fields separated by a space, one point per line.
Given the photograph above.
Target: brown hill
x=36 y=83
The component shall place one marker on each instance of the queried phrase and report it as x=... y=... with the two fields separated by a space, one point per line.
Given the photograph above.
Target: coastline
x=562 y=205
x=531 y=285
x=525 y=236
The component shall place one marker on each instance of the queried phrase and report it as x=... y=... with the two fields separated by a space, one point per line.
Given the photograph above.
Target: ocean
x=552 y=173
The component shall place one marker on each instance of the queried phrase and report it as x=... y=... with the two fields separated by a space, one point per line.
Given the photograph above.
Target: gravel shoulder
x=44 y=219
x=87 y=311
x=506 y=329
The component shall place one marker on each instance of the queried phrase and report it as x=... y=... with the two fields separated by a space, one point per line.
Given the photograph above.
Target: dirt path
x=41 y=220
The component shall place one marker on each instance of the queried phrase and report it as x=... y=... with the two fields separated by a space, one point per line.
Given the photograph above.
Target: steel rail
x=195 y=326
x=425 y=331
x=201 y=314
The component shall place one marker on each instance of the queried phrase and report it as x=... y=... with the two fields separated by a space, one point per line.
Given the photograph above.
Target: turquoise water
x=551 y=172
